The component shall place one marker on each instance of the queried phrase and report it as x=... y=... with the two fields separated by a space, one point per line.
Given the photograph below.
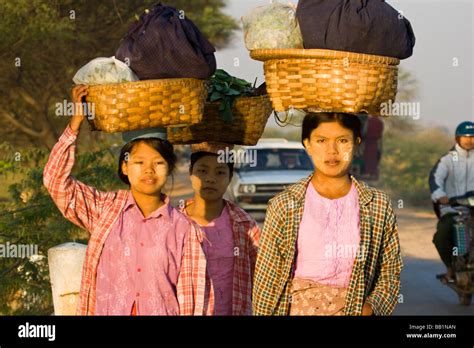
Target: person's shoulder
x=112 y=200
x=381 y=196
x=292 y=193
x=240 y=216
x=234 y=209
x=179 y=216
x=377 y=194
x=380 y=202
x=450 y=155
x=280 y=200
x=182 y=223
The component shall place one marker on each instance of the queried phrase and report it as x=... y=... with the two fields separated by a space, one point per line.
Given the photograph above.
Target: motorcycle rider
x=452 y=176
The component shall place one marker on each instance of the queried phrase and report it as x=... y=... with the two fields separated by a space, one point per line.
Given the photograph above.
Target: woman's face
x=146 y=169
x=331 y=147
x=210 y=178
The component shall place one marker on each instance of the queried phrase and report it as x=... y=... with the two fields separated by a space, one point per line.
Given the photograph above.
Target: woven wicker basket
x=326 y=80
x=250 y=117
x=150 y=103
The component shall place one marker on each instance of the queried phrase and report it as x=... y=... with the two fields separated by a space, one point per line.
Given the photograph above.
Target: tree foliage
x=408 y=157
x=44 y=42
x=30 y=217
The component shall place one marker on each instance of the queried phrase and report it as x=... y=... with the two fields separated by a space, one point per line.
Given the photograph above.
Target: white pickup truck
x=277 y=163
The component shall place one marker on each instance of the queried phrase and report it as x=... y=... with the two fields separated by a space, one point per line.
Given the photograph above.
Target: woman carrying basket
x=137 y=239
x=329 y=244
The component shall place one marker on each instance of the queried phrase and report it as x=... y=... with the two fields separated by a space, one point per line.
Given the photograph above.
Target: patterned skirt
x=311 y=298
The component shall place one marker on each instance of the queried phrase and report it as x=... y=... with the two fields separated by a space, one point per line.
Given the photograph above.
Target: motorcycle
x=463 y=255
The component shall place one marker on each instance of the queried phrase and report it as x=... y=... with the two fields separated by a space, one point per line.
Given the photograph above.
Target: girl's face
x=331 y=147
x=146 y=169
x=210 y=178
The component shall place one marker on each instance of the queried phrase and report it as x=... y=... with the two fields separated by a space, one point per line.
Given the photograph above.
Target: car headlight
x=247 y=189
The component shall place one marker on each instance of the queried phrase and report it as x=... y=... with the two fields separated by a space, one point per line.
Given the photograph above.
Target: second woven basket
x=250 y=118
x=327 y=80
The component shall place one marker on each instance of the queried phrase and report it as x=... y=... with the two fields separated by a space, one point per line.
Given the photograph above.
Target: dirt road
x=422 y=293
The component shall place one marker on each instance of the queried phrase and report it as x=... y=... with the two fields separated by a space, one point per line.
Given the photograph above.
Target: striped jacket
x=376 y=272
x=246 y=235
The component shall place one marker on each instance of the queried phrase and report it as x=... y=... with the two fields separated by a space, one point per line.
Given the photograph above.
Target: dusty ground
x=422 y=293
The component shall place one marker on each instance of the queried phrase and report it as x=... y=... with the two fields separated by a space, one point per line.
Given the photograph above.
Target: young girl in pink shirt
x=137 y=239
x=229 y=236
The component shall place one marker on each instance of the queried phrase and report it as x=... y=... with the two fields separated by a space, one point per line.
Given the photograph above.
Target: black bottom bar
x=426 y=330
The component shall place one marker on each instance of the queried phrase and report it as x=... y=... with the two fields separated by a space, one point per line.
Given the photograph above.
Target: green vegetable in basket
x=228 y=88
x=272 y=26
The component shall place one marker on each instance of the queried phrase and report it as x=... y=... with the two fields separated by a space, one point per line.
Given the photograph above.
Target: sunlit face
x=467 y=143
x=146 y=169
x=209 y=178
x=331 y=148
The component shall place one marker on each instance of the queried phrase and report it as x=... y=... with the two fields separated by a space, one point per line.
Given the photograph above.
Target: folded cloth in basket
x=361 y=26
x=165 y=44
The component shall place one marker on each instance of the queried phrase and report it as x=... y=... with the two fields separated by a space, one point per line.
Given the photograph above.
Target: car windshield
x=278 y=159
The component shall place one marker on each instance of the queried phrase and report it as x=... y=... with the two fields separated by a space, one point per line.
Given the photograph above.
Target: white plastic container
x=65 y=270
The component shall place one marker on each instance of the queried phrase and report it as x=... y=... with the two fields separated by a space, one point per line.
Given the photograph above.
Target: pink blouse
x=328 y=238
x=140 y=262
x=219 y=251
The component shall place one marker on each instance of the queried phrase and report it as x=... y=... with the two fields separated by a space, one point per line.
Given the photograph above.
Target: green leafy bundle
x=227 y=89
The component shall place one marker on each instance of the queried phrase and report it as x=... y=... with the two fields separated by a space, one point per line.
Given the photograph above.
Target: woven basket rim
x=150 y=83
x=289 y=53
x=263 y=96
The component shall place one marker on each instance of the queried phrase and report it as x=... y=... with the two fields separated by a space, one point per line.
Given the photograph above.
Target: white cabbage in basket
x=100 y=71
x=272 y=26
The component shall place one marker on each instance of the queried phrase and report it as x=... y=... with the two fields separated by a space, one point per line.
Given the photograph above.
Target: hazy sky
x=444 y=35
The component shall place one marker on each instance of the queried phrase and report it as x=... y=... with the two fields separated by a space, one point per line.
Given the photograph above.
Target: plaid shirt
x=89 y=209
x=195 y=291
x=375 y=277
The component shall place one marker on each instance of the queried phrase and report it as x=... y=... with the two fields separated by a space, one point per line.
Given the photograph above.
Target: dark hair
x=196 y=156
x=313 y=119
x=164 y=147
